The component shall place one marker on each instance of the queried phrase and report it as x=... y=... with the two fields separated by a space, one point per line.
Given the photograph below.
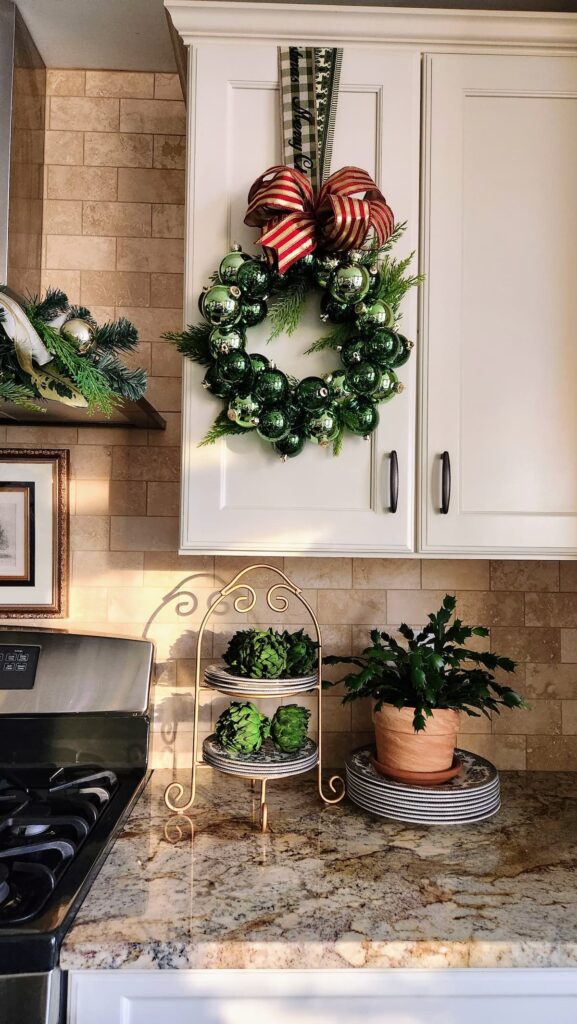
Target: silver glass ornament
x=220 y=305
x=79 y=333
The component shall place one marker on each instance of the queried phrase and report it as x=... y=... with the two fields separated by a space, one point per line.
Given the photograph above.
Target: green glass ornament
x=360 y=415
x=259 y=363
x=324 y=265
x=404 y=352
x=290 y=445
x=382 y=347
x=244 y=410
x=349 y=283
x=226 y=339
x=353 y=352
x=322 y=426
x=339 y=389
x=363 y=379
x=389 y=387
x=220 y=305
x=271 y=387
x=273 y=424
x=214 y=383
x=253 y=279
x=235 y=367
x=252 y=313
x=312 y=393
x=230 y=265
x=374 y=316
x=336 y=312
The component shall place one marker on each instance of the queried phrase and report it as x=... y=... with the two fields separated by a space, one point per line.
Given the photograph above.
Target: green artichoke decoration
x=242 y=728
x=289 y=726
x=257 y=653
x=302 y=653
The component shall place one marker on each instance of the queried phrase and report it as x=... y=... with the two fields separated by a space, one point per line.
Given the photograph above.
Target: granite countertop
x=333 y=886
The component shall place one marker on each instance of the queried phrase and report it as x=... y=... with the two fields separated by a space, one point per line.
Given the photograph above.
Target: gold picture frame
x=34 y=532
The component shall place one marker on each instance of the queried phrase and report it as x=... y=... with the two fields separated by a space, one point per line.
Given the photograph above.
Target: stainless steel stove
x=73 y=760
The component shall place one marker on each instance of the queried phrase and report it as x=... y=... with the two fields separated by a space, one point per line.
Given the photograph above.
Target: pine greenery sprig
x=19 y=394
x=222 y=427
x=82 y=313
x=54 y=304
x=395 y=282
x=117 y=336
x=193 y=342
x=130 y=384
x=338 y=441
x=339 y=335
x=88 y=379
x=286 y=308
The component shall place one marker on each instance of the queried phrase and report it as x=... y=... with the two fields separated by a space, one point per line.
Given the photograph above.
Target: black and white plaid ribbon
x=309 y=81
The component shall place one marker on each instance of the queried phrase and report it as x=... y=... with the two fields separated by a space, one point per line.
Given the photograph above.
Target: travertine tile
x=127 y=498
x=455 y=574
x=337 y=717
x=92 y=497
x=43 y=436
x=116 y=219
x=551 y=681
x=160 y=254
x=531 y=644
x=133 y=533
x=568 y=576
x=117 y=149
x=485 y=608
x=552 y=753
x=170 y=151
x=551 y=609
x=569 y=717
x=152 y=323
x=107 y=569
x=475 y=726
x=542 y=717
x=168 y=569
x=64 y=82
x=569 y=645
x=62 y=217
x=163 y=499
x=167 y=86
x=97 y=115
x=138 y=185
x=140 y=357
x=158 y=464
x=517 y=575
x=81 y=183
x=382 y=573
x=120 y=83
x=169 y=436
x=165 y=393
x=166 y=117
x=166 y=361
x=92 y=462
x=76 y=252
x=63 y=147
x=87 y=604
x=89 y=533
x=322 y=573
x=335 y=606
x=167 y=220
x=28 y=111
x=166 y=290
x=125 y=436
x=507 y=753
x=227 y=566
x=412 y=606
x=105 y=287
x=67 y=280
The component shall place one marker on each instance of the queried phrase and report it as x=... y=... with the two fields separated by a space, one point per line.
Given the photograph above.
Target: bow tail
x=289 y=239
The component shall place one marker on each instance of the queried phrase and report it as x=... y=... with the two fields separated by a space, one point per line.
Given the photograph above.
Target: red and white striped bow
x=295 y=221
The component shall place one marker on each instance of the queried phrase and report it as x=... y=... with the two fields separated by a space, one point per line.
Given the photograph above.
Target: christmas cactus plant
x=242 y=728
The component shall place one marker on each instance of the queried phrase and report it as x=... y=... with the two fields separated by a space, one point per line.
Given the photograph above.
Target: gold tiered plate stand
x=244 y=601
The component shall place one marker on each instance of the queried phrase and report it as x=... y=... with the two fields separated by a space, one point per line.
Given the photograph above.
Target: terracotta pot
x=399 y=747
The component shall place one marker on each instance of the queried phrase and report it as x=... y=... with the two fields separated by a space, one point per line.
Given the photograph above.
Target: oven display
x=18 y=666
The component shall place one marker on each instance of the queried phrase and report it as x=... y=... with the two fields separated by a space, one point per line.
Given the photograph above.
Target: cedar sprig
x=338 y=336
x=286 y=309
x=131 y=384
x=193 y=342
x=395 y=282
x=222 y=427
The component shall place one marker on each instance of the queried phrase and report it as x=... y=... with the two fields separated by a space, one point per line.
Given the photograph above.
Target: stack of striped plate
x=472 y=795
x=268 y=762
x=218 y=677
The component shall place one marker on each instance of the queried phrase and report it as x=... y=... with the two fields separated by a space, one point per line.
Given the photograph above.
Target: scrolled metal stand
x=245 y=601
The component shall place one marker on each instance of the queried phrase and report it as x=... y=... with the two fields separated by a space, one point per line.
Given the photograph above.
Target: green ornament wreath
x=360 y=295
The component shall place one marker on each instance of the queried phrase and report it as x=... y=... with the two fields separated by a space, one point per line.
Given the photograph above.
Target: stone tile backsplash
x=113 y=238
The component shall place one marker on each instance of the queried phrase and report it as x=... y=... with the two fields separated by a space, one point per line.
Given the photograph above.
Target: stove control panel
x=18 y=666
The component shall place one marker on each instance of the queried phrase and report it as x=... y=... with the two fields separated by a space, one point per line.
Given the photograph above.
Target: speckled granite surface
x=335 y=887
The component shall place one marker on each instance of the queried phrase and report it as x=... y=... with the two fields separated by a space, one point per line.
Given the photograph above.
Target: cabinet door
x=500 y=312
x=237 y=495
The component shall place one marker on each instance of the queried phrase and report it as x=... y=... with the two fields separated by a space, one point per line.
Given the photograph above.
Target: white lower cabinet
x=323 y=997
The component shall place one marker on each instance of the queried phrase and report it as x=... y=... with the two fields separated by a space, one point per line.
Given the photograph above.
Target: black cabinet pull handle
x=445 y=483
x=394 y=481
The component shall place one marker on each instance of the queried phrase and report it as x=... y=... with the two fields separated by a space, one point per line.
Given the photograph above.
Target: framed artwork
x=33 y=532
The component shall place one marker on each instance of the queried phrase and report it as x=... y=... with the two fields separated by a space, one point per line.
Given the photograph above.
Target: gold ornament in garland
x=308 y=248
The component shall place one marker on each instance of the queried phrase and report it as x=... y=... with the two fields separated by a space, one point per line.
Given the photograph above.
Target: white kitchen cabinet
x=237 y=495
x=499 y=381
x=323 y=997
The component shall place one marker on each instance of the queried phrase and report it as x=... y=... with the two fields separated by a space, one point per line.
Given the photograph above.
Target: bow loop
x=282 y=201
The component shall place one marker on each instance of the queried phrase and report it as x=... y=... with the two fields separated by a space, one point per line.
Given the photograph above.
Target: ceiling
x=125 y=35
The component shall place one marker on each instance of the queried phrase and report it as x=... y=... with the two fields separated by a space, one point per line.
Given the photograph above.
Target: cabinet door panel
x=237 y=495
x=501 y=307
